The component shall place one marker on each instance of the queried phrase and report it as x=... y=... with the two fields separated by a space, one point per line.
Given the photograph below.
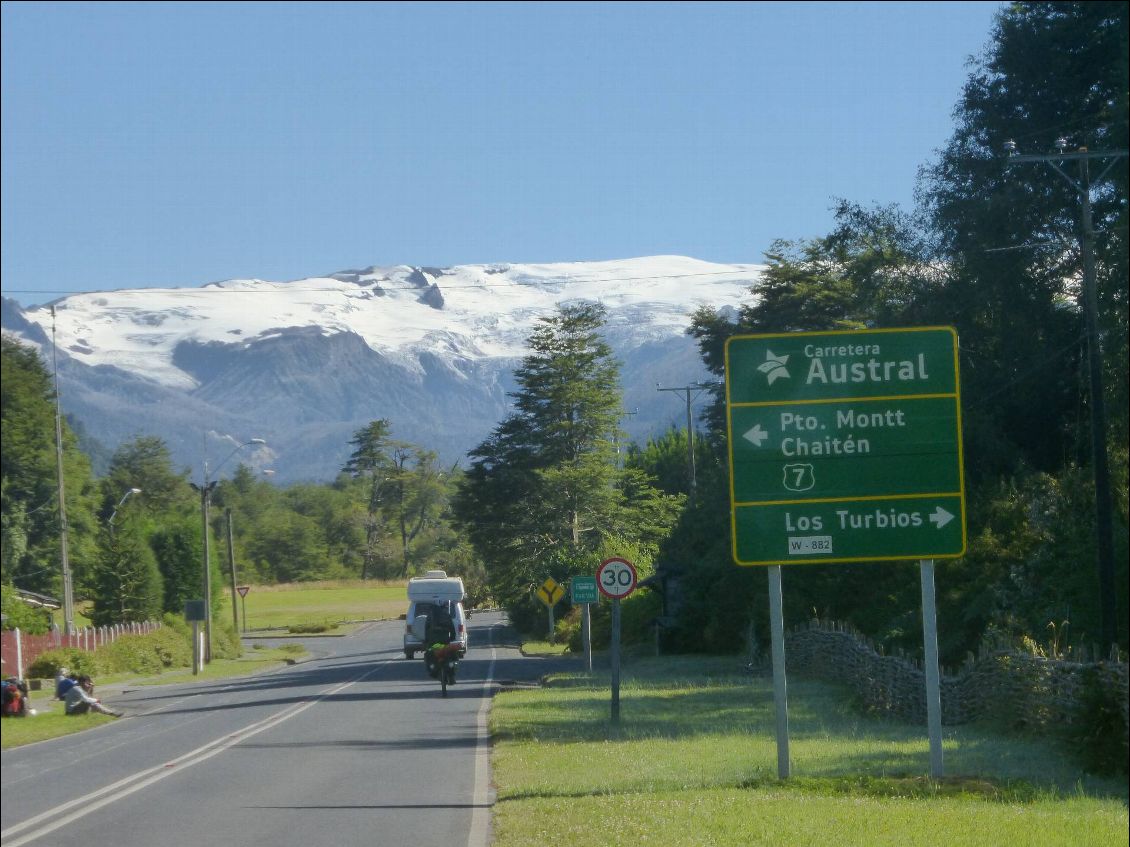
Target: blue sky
x=157 y=144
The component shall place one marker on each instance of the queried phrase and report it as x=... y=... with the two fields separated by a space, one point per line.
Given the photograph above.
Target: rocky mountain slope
x=304 y=364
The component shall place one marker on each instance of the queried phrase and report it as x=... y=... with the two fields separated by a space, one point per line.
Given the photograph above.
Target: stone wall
x=1002 y=685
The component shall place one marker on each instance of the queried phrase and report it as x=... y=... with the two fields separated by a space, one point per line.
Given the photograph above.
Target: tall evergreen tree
x=418 y=495
x=371 y=462
x=545 y=478
x=1010 y=232
x=146 y=463
x=127 y=582
x=179 y=550
x=29 y=513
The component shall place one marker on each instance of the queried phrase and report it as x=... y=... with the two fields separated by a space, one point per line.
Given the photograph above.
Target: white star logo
x=774 y=366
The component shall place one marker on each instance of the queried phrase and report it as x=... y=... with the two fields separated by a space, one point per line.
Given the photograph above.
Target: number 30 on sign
x=616 y=578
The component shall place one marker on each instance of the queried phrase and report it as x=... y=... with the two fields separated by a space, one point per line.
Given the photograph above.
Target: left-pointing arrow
x=756 y=435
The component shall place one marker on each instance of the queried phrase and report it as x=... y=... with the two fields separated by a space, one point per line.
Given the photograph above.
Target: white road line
x=73 y=810
x=480 y=811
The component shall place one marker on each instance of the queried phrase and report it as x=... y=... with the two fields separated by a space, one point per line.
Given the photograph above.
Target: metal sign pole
x=933 y=678
x=616 y=661
x=780 y=693
x=197 y=653
x=586 y=630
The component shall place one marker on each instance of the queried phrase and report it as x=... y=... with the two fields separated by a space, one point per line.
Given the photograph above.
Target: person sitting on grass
x=80 y=699
x=64 y=682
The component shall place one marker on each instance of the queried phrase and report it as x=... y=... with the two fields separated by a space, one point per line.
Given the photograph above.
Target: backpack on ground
x=14 y=698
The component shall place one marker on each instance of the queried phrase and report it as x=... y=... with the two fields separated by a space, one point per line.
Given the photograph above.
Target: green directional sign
x=845 y=446
x=583 y=590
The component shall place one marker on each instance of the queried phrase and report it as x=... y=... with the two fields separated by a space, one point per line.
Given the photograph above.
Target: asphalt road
x=355 y=746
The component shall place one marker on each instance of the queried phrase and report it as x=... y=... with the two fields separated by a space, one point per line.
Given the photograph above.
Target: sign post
x=583 y=592
x=616 y=578
x=243 y=589
x=195 y=611
x=933 y=677
x=550 y=592
x=846 y=447
x=780 y=684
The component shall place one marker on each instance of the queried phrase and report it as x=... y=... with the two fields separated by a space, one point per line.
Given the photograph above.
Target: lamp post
x=126 y=496
x=205 y=491
x=64 y=557
x=110 y=526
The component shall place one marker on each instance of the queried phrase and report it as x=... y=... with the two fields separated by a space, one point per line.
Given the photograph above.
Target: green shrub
x=310 y=628
x=74 y=660
x=225 y=641
x=178 y=624
x=637 y=615
x=129 y=654
x=1099 y=730
x=167 y=647
x=172 y=648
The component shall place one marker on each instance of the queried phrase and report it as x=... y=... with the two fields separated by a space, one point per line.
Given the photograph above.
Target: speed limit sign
x=616 y=578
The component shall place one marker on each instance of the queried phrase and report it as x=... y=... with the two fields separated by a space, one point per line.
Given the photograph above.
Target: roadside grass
x=277 y=607
x=271 y=610
x=255 y=660
x=50 y=721
x=694 y=762
x=544 y=648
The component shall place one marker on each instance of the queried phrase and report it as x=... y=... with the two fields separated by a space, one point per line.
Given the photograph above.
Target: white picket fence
x=20 y=650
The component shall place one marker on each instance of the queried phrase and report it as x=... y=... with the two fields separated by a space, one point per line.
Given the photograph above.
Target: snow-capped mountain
x=304 y=364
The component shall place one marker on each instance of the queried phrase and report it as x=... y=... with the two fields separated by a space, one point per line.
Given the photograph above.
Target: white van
x=425 y=593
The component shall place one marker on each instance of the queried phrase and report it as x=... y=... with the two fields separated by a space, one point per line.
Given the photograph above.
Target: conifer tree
x=545 y=480
x=127 y=582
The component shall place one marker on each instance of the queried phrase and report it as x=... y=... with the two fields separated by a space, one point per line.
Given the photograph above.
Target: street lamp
x=110 y=525
x=205 y=502
x=126 y=496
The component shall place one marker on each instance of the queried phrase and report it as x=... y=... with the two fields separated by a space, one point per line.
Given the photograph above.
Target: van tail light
x=460 y=629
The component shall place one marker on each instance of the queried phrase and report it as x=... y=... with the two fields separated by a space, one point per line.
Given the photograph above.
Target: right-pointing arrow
x=940 y=517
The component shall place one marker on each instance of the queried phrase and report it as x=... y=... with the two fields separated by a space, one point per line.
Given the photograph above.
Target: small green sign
x=845 y=446
x=583 y=590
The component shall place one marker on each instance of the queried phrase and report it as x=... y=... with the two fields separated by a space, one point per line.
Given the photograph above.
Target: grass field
x=279 y=606
x=694 y=762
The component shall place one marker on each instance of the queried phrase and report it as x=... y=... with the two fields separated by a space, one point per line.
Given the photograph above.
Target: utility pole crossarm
x=1067 y=157
x=686 y=390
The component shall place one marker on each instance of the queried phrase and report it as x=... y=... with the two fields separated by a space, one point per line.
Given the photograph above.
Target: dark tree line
x=992 y=250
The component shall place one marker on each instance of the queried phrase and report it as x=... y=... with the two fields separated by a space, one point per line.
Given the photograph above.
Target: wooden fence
x=1000 y=684
x=19 y=650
